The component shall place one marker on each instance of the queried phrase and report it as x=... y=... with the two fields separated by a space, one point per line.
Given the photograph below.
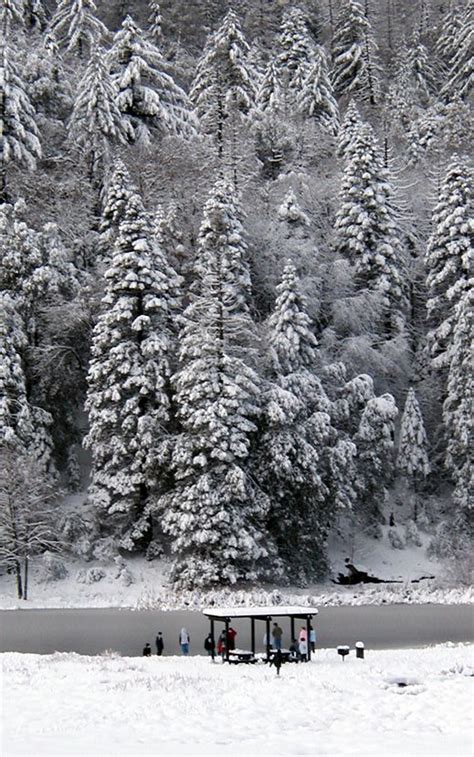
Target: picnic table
x=241 y=655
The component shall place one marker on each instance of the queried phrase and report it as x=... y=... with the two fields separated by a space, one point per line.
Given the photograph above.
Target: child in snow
x=147 y=650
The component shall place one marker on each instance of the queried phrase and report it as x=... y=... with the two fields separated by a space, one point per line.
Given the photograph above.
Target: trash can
x=360 y=650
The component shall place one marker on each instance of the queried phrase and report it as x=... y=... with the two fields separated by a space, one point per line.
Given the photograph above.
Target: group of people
x=184 y=641
x=298 y=647
x=226 y=641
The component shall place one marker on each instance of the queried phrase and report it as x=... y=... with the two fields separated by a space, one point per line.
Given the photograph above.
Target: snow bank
x=67 y=704
x=148 y=590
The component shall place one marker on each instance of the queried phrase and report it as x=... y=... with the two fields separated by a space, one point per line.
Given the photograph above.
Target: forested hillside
x=236 y=279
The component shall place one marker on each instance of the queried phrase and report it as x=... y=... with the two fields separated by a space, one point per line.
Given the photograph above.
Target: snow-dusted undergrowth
x=68 y=704
x=354 y=595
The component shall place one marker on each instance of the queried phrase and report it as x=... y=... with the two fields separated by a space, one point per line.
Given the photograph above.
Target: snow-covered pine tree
x=420 y=67
x=24 y=428
x=118 y=190
x=269 y=95
x=16 y=425
x=457 y=411
x=351 y=401
x=147 y=96
x=128 y=399
x=366 y=229
x=448 y=260
x=35 y=267
x=355 y=67
x=348 y=129
x=154 y=21
x=446 y=43
x=375 y=465
x=168 y=230
x=223 y=87
x=20 y=144
x=76 y=26
x=296 y=58
x=294 y=433
x=215 y=514
x=316 y=97
x=290 y=213
x=96 y=122
x=19 y=253
x=292 y=344
x=460 y=77
x=412 y=457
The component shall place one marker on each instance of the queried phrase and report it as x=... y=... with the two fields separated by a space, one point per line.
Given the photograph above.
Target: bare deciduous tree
x=27 y=515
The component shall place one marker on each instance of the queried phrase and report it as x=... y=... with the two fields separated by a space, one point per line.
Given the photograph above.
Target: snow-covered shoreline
x=151 y=598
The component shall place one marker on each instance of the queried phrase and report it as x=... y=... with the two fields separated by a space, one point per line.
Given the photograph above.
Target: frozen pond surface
x=126 y=631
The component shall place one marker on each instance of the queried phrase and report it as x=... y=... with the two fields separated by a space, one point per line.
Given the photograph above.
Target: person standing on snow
x=184 y=640
x=303 y=649
x=312 y=638
x=209 y=645
x=159 y=644
x=277 y=633
x=231 y=634
x=147 y=650
x=222 y=644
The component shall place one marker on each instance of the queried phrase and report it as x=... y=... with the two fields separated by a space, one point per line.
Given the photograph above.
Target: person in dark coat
x=277 y=660
x=147 y=650
x=294 y=650
x=209 y=645
x=159 y=644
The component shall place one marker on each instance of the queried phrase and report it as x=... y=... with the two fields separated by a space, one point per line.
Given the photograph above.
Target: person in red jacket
x=231 y=634
x=221 y=645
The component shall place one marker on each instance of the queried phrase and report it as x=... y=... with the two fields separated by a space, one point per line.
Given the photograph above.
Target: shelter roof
x=273 y=611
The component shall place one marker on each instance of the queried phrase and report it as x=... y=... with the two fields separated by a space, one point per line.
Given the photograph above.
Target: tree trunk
x=19 y=585
x=331 y=15
x=220 y=126
x=25 y=576
x=370 y=78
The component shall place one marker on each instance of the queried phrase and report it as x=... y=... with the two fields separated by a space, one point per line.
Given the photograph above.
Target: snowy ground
x=67 y=704
x=149 y=590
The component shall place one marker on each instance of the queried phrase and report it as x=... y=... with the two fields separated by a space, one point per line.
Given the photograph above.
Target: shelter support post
x=308 y=645
x=227 y=639
x=252 y=631
x=293 y=637
x=267 y=635
x=213 y=641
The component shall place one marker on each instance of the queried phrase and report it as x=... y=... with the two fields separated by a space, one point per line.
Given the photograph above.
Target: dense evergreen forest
x=236 y=279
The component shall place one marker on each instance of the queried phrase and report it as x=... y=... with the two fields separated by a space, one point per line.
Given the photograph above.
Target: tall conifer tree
x=292 y=451
x=76 y=26
x=147 y=95
x=215 y=514
x=355 y=68
x=366 y=230
x=128 y=397
x=223 y=87
x=448 y=259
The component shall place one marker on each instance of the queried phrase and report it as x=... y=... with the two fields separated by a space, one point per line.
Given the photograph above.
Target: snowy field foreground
x=67 y=704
